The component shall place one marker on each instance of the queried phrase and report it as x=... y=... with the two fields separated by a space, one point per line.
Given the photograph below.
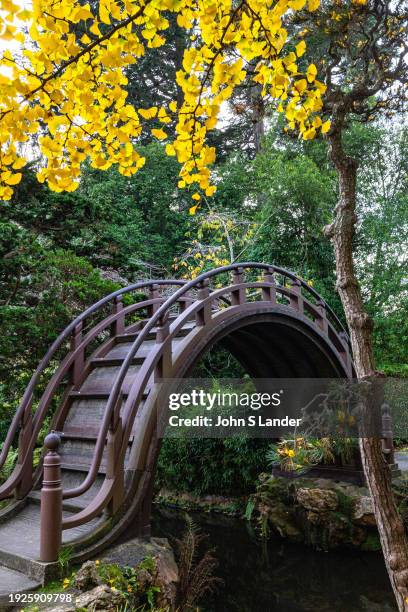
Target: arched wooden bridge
x=96 y=385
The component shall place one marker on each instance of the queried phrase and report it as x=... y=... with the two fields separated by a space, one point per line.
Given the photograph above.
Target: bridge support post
x=345 y=352
x=296 y=300
x=323 y=323
x=153 y=295
x=51 y=502
x=269 y=293
x=118 y=327
x=204 y=314
x=238 y=295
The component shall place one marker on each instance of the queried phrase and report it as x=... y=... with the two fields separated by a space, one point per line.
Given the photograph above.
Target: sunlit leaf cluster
x=65 y=86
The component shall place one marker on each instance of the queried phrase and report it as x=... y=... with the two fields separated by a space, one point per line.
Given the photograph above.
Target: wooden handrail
x=45 y=400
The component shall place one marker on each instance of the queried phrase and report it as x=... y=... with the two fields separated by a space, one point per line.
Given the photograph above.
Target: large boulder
x=101 y=597
x=363 y=512
x=87 y=577
x=317 y=500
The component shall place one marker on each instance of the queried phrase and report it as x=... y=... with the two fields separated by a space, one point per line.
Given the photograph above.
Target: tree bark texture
x=341 y=231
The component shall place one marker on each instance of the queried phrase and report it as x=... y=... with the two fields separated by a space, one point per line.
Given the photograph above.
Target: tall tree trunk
x=390 y=525
x=257 y=105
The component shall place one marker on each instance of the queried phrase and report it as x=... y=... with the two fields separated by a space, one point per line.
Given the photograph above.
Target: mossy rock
x=283 y=521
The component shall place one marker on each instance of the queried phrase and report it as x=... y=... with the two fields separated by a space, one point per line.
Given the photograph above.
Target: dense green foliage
x=221 y=467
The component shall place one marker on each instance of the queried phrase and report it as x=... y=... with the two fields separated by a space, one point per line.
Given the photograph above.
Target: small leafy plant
x=298 y=454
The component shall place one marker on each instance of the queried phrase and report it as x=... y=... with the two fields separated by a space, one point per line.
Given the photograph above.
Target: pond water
x=282 y=577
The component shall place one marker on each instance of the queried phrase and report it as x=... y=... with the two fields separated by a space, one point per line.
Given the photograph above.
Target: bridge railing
x=27 y=421
x=197 y=301
x=293 y=288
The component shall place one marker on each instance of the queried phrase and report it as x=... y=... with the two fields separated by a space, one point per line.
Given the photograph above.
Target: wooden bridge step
x=101 y=379
x=106 y=361
x=86 y=414
x=82 y=467
x=120 y=350
x=96 y=394
x=151 y=335
x=77 y=433
x=124 y=343
x=78 y=453
x=70 y=480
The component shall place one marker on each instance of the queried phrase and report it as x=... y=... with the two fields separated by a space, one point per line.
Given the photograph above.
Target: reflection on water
x=282 y=577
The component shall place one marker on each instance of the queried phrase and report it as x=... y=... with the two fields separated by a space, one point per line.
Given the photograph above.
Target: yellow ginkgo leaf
x=196 y=196
x=300 y=48
x=297 y=5
x=104 y=15
x=311 y=73
x=193 y=209
x=19 y=163
x=14 y=179
x=313 y=5
x=160 y=134
x=210 y=190
x=94 y=29
x=148 y=113
x=326 y=127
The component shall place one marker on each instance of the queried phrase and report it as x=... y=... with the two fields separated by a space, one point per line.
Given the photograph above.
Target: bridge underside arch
x=268 y=346
x=272 y=345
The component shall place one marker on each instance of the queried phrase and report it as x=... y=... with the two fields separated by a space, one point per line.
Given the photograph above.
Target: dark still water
x=282 y=577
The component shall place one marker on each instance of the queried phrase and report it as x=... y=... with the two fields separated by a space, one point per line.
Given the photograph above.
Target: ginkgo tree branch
x=51 y=82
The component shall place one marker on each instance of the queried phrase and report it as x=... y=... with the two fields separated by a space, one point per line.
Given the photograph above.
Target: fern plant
x=196 y=574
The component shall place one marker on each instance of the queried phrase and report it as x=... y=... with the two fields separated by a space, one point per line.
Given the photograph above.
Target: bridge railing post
x=51 y=501
x=269 y=293
x=203 y=315
x=295 y=298
x=238 y=295
x=78 y=365
x=26 y=481
x=322 y=321
x=153 y=295
x=118 y=327
x=163 y=366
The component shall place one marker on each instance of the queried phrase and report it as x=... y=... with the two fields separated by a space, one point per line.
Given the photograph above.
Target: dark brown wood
x=203 y=315
x=118 y=327
x=79 y=361
x=238 y=295
x=51 y=501
x=25 y=484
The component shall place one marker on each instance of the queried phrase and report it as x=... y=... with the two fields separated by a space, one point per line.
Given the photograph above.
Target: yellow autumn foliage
x=65 y=83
